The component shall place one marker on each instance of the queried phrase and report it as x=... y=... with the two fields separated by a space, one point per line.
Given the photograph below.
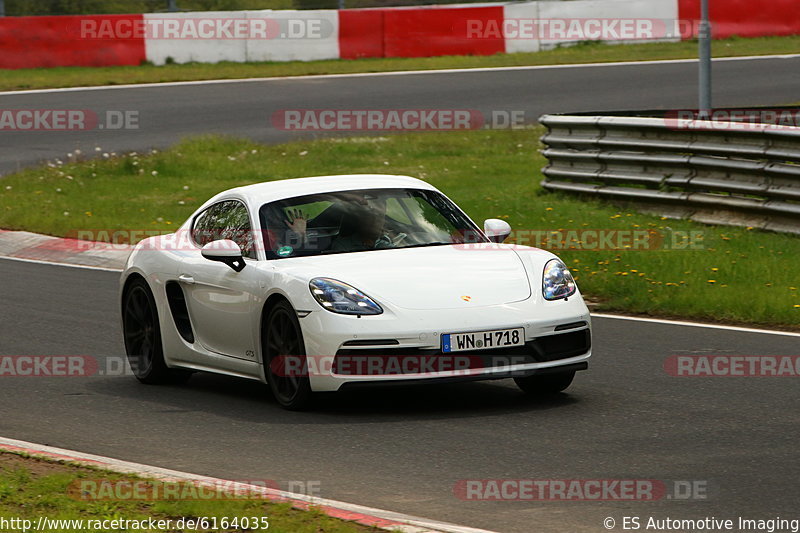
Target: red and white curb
x=367 y=516
x=26 y=246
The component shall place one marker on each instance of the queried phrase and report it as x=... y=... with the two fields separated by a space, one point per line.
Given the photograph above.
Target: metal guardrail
x=719 y=173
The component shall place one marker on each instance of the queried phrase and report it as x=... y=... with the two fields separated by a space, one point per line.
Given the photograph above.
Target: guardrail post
x=172 y=6
x=2 y=8
x=704 y=38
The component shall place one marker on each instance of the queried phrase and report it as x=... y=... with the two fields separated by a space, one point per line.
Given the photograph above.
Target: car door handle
x=183 y=278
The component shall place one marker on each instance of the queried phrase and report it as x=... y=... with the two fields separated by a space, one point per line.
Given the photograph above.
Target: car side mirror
x=224 y=251
x=497 y=230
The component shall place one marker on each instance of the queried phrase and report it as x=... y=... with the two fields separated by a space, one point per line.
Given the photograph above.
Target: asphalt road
x=405 y=449
x=167 y=114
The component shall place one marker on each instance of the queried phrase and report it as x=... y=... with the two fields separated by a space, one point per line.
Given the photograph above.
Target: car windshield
x=361 y=220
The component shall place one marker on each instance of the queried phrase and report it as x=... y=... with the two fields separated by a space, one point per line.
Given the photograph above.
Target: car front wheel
x=545 y=384
x=285 y=355
x=142 y=334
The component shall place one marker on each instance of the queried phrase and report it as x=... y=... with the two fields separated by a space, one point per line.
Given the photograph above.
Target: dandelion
x=66 y=213
x=106 y=155
x=714 y=269
x=154 y=173
x=160 y=219
x=181 y=202
x=58 y=190
x=712 y=281
x=88 y=213
x=97 y=148
x=548 y=208
x=185 y=187
x=385 y=162
x=8 y=187
x=304 y=152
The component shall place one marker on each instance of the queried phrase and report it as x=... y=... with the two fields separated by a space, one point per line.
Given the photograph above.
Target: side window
x=225 y=220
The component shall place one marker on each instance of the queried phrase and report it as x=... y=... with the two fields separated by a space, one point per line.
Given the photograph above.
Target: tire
x=282 y=339
x=142 y=333
x=545 y=384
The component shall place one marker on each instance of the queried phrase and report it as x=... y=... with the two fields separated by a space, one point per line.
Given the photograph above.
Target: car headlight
x=339 y=297
x=557 y=282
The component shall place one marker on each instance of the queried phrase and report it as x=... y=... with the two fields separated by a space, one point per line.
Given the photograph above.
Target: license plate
x=483 y=340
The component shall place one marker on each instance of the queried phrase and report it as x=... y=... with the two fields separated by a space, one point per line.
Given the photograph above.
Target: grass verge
x=732 y=274
x=31 y=488
x=582 y=53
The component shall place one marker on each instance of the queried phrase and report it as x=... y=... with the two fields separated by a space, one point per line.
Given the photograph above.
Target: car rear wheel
x=142 y=334
x=284 y=350
x=545 y=384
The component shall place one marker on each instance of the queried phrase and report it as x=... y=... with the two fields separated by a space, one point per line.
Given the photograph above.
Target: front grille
x=400 y=360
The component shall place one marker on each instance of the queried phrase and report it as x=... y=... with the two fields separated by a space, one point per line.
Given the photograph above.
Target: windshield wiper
x=437 y=243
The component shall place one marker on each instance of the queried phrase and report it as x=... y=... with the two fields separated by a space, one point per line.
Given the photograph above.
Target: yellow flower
x=548 y=208
x=712 y=281
x=714 y=269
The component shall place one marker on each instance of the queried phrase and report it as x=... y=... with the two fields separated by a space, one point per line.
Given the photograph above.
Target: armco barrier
x=713 y=172
x=30 y=42
x=746 y=18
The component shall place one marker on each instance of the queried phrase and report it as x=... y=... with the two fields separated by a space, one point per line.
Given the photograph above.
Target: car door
x=221 y=302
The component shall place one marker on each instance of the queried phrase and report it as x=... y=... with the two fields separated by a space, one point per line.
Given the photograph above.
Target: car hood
x=434 y=277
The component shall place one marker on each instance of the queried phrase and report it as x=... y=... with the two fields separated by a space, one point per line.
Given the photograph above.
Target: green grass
x=31 y=488
x=488 y=173
x=583 y=53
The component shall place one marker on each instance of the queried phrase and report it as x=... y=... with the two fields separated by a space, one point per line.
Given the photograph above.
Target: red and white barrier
x=29 y=42
x=484 y=29
x=746 y=18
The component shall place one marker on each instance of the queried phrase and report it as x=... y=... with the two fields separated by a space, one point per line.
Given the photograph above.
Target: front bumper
x=557 y=336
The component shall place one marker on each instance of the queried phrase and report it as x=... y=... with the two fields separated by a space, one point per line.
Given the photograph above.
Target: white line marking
x=391 y=73
x=418 y=525
x=697 y=324
x=55 y=263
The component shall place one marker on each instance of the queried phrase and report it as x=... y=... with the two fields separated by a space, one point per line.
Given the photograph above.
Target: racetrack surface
x=168 y=113
x=405 y=449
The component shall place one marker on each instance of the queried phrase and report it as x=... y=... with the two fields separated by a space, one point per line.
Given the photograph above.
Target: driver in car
x=362 y=227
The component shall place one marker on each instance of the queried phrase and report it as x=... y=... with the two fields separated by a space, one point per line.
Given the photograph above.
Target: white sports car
x=319 y=284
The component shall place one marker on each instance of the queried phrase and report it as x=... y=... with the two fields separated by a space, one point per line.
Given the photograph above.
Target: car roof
x=270 y=191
